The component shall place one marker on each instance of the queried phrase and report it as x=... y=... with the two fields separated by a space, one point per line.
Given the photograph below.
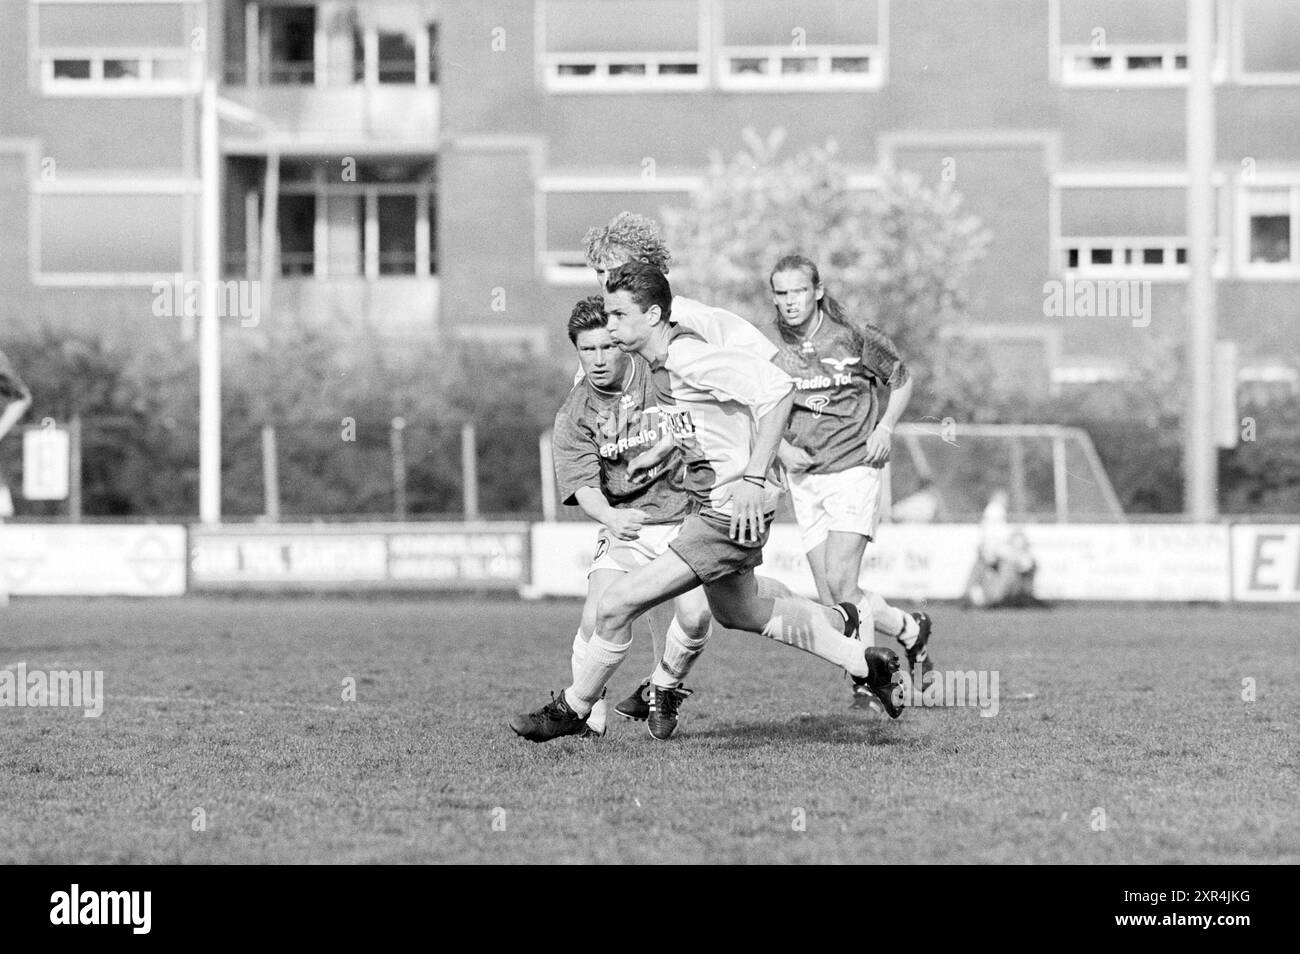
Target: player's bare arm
x=623 y=522
x=879 y=441
x=748 y=522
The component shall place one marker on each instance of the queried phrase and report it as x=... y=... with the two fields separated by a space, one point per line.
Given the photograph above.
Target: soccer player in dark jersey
x=838 y=441
x=729 y=409
x=610 y=417
x=15 y=399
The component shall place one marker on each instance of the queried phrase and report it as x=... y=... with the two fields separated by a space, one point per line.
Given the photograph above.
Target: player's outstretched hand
x=747 y=519
x=626 y=524
x=878 y=447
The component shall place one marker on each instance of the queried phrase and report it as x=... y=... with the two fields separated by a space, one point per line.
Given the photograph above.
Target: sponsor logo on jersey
x=813 y=383
x=818 y=403
x=838 y=364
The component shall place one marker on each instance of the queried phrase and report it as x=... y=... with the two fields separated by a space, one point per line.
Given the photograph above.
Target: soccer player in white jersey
x=610 y=417
x=728 y=408
x=838 y=441
x=629 y=237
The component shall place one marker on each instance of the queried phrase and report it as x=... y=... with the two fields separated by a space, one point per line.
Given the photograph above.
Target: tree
x=897 y=257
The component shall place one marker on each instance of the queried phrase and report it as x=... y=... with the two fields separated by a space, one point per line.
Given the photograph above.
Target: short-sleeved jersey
x=598 y=433
x=11 y=386
x=711 y=399
x=718 y=327
x=837 y=392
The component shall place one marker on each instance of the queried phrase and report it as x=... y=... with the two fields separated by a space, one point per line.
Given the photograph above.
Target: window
x=1269 y=230
x=116 y=48
x=102 y=234
x=1264 y=33
x=819 y=44
x=380 y=225
x=1115 y=225
x=1109 y=43
x=589 y=48
x=574 y=205
x=341 y=43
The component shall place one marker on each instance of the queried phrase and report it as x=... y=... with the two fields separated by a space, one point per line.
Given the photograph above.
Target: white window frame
x=1240 y=74
x=1063 y=58
x=1120 y=74
x=1169 y=270
x=822 y=78
x=369 y=193
x=568 y=267
x=43 y=57
x=1290 y=204
x=97 y=85
x=191 y=188
x=600 y=80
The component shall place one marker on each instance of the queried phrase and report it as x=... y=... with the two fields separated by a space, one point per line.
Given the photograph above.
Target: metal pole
x=1061 y=480
x=469 y=469
x=74 y=468
x=209 y=331
x=1200 y=455
x=270 y=473
x=397 y=442
x=548 y=477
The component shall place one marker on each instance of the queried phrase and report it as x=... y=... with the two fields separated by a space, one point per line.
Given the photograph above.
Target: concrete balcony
x=356 y=118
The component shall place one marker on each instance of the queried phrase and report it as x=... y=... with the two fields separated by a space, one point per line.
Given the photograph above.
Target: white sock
x=803 y=624
x=579 y=654
x=597 y=719
x=601 y=660
x=893 y=622
x=680 y=653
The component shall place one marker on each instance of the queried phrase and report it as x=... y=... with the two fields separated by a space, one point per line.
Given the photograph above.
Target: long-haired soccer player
x=729 y=408
x=608 y=419
x=15 y=399
x=838 y=441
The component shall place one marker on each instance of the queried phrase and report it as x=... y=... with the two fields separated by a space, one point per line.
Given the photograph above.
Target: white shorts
x=626 y=555
x=847 y=501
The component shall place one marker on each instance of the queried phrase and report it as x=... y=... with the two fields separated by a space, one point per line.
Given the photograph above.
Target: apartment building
x=410 y=167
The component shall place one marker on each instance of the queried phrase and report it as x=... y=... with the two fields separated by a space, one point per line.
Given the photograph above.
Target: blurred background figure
x=15 y=399
x=1004 y=569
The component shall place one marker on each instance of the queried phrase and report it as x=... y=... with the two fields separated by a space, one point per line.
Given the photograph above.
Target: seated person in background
x=1005 y=567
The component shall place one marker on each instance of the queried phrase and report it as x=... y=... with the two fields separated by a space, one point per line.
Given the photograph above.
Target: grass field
x=236 y=707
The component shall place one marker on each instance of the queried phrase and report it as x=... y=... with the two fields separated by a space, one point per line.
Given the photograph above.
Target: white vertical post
x=209 y=330
x=469 y=469
x=397 y=444
x=270 y=473
x=548 y=476
x=1200 y=455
